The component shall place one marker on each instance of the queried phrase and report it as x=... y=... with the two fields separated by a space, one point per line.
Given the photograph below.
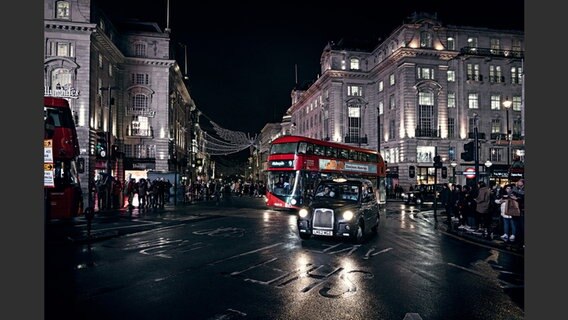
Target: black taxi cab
x=345 y=208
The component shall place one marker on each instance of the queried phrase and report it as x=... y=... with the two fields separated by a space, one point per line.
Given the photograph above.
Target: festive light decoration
x=227 y=142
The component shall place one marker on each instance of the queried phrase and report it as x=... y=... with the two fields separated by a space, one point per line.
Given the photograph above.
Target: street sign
x=469 y=173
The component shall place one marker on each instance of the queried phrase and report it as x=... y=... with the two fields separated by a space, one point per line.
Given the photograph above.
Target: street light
x=488 y=165
x=109 y=144
x=378 y=140
x=507 y=104
x=454 y=165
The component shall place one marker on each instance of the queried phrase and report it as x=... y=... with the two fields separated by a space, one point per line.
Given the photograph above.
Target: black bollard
x=89 y=215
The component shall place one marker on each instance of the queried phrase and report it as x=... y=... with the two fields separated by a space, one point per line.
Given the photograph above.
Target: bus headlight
x=303 y=213
x=293 y=201
x=348 y=215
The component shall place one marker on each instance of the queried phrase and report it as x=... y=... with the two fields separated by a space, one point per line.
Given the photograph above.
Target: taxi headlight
x=348 y=215
x=303 y=213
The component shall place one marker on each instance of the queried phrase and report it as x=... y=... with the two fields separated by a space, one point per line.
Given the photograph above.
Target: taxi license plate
x=322 y=233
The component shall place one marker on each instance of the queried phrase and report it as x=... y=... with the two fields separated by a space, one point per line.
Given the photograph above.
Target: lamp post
x=378 y=141
x=454 y=164
x=109 y=146
x=488 y=165
x=476 y=148
x=507 y=104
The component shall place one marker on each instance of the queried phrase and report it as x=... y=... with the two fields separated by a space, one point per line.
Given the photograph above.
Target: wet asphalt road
x=243 y=261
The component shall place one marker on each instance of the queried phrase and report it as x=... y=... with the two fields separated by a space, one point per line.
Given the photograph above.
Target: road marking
x=245 y=253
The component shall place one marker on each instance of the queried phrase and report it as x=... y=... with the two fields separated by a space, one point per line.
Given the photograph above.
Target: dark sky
x=242 y=54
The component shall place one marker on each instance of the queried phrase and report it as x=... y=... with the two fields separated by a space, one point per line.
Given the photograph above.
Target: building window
x=495 y=126
x=110 y=70
x=516 y=131
x=425 y=39
x=472 y=43
x=451 y=128
x=140 y=49
x=495 y=75
x=473 y=100
x=61 y=79
x=354 y=122
x=425 y=73
x=495 y=44
x=392 y=130
x=140 y=126
x=451 y=99
x=62 y=11
x=355 y=91
x=100 y=60
x=495 y=102
x=354 y=64
x=473 y=72
x=516 y=103
x=381 y=86
x=426 y=125
x=381 y=107
x=392 y=102
x=516 y=75
x=496 y=154
x=451 y=43
x=63 y=49
x=391 y=79
x=139 y=78
x=139 y=102
x=451 y=76
x=516 y=47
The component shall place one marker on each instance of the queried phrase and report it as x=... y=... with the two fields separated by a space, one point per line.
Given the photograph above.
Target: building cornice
x=58 y=25
x=152 y=62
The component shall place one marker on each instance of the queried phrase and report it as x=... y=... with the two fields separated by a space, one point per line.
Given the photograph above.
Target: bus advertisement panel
x=296 y=164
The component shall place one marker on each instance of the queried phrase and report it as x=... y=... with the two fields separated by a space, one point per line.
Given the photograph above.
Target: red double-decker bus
x=296 y=164
x=62 y=189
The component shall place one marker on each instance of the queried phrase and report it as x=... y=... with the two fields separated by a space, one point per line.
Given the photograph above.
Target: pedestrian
x=483 y=217
x=469 y=208
x=509 y=209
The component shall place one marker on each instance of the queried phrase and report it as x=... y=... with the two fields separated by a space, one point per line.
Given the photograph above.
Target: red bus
x=62 y=189
x=296 y=164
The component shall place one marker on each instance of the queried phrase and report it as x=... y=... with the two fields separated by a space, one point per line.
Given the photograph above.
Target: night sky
x=242 y=54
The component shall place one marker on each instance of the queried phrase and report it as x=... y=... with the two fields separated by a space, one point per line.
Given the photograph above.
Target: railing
x=140 y=112
x=480 y=135
x=133 y=132
x=488 y=52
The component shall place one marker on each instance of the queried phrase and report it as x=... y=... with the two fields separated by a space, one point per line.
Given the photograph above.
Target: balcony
x=426 y=133
x=140 y=112
x=488 y=52
x=141 y=133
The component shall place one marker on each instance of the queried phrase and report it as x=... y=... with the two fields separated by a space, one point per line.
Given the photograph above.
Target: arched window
x=61 y=78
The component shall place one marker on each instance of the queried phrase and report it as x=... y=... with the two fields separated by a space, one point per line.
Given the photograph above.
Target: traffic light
x=101 y=148
x=411 y=172
x=467 y=155
x=444 y=172
x=437 y=161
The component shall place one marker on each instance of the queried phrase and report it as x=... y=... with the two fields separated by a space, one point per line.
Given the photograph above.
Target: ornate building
x=430 y=87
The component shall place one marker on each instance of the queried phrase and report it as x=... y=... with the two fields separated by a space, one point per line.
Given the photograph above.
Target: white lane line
x=245 y=253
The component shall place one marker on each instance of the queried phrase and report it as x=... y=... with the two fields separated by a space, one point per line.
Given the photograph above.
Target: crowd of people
x=487 y=210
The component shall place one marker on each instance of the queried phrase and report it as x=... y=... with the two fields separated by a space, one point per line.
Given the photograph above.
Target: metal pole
x=476 y=151
x=109 y=147
x=378 y=144
x=508 y=148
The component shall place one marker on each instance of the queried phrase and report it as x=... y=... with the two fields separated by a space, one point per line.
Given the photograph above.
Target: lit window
x=355 y=91
x=391 y=79
x=473 y=101
x=140 y=50
x=100 y=60
x=354 y=64
x=381 y=86
x=425 y=73
x=495 y=102
x=425 y=39
x=451 y=99
x=63 y=49
x=451 y=43
x=62 y=10
x=451 y=76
